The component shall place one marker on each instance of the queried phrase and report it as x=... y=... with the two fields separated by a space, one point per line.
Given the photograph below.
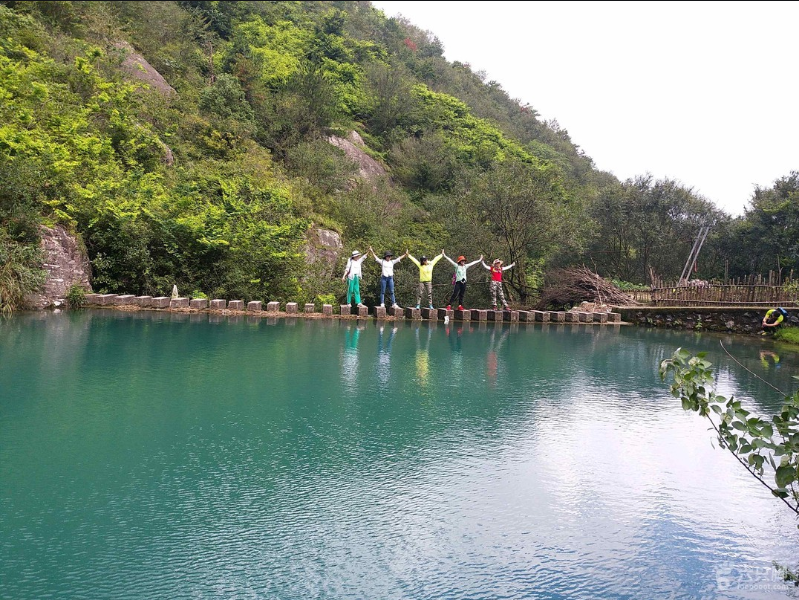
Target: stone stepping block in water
x=236 y=305
x=309 y=308
x=614 y=318
x=161 y=302
x=344 y=310
x=273 y=307
x=443 y=312
x=198 y=303
x=254 y=306
x=143 y=301
x=429 y=313
x=557 y=317
x=218 y=304
x=379 y=312
x=463 y=315
x=396 y=312
x=179 y=303
x=479 y=315
x=124 y=300
x=413 y=313
x=495 y=315
x=327 y=310
x=511 y=316
x=600 y=317
x=572 y=317
x=362 y=311
x=292 y=308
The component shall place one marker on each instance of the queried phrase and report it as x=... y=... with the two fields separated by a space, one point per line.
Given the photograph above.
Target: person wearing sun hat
x=459 y=279
x=387 y=277
x=353 y=272
x=425 y=277
x=496 y=270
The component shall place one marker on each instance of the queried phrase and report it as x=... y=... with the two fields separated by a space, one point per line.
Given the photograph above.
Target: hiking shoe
x=430 y=307
x=460 y=307
x=382 y=305
x=449 y=307
x=395 y=305
x=494 y=307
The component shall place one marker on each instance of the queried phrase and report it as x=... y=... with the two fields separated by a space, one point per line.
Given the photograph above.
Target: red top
x=496 y=273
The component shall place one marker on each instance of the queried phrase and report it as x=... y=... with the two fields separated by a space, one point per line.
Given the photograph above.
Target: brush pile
x=567 y=288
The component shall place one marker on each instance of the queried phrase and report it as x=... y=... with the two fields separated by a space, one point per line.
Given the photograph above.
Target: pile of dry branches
x=566 y=288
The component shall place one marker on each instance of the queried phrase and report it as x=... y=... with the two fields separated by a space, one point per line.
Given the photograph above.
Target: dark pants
x=459 y=290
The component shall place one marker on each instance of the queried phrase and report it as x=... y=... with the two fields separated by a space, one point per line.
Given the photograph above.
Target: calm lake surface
x=149 y=455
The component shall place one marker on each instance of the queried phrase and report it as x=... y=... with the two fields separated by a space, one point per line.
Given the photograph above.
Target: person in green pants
x=425 y=277
x=353 y=273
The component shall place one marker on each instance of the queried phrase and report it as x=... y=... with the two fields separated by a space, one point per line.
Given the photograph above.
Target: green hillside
x=214 y=177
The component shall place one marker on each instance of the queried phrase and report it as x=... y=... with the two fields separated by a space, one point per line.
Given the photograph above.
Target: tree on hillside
x=521 y=214
x=643 y=224
x=768 y=237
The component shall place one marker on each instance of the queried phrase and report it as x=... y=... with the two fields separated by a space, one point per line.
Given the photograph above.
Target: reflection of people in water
x=423 y=358
x=493 y=358
x=349 y=359
x=765 y=355
x=384 y=354
x=454 y=339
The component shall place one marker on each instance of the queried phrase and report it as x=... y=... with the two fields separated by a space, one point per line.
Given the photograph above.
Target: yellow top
x=425 y=271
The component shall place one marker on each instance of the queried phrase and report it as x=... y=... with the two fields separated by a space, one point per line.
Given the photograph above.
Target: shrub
x=76 y=296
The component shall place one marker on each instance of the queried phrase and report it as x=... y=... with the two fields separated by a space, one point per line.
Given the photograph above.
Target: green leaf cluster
x=766 y=448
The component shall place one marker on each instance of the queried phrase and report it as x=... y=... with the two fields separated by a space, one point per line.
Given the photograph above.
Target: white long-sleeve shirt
x=353 y=268
x=388 y=265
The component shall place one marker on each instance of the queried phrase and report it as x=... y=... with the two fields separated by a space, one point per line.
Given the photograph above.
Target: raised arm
x=474 y=262
x=510 y=266
x=413 y=260
x=485 y=266
x=436 y=259
x=452 y=262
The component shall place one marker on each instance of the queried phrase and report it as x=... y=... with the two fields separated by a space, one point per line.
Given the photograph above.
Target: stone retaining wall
x=735 y=320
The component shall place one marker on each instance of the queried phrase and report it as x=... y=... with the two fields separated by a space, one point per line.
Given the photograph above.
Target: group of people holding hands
x=353 y=274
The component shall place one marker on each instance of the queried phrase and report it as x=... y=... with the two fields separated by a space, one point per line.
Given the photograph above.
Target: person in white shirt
x=353 y=272
x=387 y=278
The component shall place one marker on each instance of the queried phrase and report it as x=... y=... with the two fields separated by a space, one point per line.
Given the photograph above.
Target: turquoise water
x=149 y=455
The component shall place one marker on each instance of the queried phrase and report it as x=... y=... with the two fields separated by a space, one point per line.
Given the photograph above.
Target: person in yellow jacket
x=773 y=319
x=425 y=277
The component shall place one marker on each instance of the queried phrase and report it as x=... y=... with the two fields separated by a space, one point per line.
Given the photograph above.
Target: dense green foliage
x=758 y=444
x=212 y=184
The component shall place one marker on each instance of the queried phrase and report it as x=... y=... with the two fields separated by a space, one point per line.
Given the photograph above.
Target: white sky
x=705 y=93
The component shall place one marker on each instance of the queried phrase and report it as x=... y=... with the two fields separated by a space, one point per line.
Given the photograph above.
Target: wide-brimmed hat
x=461 y=259
x=496 y=260
x=355 y=253
x=388 y=253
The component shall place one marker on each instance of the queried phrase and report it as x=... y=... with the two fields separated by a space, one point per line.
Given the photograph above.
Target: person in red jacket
x=496 y=270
